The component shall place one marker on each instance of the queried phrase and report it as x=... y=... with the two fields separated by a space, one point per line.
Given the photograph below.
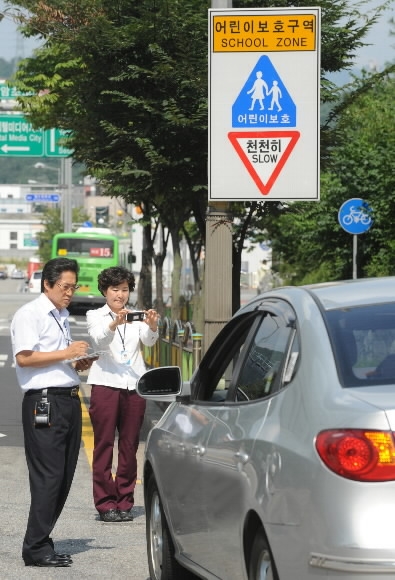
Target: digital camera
x=136 y=315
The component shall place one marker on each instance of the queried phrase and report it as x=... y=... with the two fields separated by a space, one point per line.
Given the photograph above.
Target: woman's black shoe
x=126 y=515
x=110 y=516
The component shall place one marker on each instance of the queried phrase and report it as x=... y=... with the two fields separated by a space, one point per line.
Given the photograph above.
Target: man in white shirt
x=51 y=408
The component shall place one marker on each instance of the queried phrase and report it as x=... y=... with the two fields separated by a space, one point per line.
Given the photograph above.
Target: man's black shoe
x=64 y=557
x=50 y=561
x=126 y=515
x=110 y=516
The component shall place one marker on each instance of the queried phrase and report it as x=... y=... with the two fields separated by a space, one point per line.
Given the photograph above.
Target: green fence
x=178 y=345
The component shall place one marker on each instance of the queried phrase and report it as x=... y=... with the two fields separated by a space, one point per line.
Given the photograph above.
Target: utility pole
x=67 y=193
x=218 y=259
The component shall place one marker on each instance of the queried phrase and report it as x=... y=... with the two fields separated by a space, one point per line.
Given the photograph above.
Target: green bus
x=94 y=249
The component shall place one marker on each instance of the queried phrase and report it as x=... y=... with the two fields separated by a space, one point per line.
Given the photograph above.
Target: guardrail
x=178 y=345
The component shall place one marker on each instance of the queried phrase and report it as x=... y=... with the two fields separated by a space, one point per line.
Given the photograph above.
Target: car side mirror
x=160 y=384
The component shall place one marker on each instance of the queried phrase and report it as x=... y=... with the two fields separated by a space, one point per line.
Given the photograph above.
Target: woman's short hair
x=115 y=276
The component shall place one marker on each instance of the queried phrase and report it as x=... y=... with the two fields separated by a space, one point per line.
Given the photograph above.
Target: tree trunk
x=236 y=269
x=176 y=276
x=159 y=303
x=144 y=294
x=198 y=315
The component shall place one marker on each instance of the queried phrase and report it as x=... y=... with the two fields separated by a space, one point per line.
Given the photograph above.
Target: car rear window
x=363 y=340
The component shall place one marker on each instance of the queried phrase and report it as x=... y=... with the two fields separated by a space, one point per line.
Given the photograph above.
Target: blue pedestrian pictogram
x=264 y=100
x=355 y=216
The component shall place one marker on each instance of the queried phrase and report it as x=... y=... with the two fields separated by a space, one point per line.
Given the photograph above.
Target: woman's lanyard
x=67 y=338
x=124 y=354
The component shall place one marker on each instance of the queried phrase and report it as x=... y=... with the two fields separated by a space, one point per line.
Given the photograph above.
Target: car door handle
x=242 y=457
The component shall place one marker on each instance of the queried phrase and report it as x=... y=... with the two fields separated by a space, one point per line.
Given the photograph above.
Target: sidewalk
x=98 y=550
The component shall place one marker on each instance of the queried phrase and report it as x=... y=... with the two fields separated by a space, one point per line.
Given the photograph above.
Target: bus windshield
x=86 y=247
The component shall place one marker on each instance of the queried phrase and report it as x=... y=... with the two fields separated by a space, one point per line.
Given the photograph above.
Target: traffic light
x=102 y=215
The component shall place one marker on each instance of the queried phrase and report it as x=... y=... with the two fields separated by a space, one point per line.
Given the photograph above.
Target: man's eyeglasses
x=68 y=287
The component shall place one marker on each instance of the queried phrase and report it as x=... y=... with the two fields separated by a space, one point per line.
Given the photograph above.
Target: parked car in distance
x=3 y=275
x=35 y=282
x=17 y=274
x=277 y=460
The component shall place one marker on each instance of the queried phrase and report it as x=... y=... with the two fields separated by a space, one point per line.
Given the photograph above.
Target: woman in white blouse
x=114 y=403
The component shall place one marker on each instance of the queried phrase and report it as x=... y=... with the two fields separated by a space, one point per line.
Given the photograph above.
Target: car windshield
x=363 y=340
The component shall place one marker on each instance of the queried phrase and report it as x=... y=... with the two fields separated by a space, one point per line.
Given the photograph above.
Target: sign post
x=264 y=75
x=355 y=218
x=218 y=259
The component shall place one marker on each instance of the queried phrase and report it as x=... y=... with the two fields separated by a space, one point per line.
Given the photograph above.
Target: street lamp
x=65 y=183
x=40 y=165
x=64 y=177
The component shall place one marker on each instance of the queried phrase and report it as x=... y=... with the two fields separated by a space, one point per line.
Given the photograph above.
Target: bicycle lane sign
x=355 y=216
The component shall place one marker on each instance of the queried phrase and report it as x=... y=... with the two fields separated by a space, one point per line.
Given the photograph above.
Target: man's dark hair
x=115 y=276
x=54 y=268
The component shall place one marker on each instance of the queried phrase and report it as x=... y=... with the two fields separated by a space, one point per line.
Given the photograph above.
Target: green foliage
x=53 y=225
x=129 y=80
x=307 y=238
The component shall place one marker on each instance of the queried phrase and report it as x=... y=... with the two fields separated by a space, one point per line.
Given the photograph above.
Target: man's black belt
x=65 y=391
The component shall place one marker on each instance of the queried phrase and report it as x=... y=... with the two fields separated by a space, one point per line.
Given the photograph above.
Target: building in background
x=21 y=207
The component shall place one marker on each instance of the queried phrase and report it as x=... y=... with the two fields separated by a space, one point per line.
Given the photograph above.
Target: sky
x=381 y=51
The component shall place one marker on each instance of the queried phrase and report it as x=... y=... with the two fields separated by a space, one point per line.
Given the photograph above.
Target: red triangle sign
x=264 y=153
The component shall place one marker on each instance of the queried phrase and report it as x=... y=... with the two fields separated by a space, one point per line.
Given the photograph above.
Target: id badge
x=124 y=357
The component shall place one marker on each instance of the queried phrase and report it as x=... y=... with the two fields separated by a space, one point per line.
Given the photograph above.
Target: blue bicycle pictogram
x=355 y=216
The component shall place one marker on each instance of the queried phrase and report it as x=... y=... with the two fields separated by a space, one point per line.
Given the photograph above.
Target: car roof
x=350 y=293
x=334 y=295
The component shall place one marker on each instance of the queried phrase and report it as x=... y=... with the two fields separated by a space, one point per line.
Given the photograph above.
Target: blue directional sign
x=43 y=197
x=355 y=216
x=264 y=100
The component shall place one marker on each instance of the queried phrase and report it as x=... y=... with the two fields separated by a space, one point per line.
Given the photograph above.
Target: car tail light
x=358 y=454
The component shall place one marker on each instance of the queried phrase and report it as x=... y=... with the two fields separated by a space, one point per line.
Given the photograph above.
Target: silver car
x=277 y=460
x=35 y=282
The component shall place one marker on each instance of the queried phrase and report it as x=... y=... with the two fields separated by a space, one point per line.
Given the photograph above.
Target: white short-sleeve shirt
x=34 y=327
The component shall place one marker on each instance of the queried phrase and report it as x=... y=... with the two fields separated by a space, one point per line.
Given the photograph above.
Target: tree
x=365 y=169
x=121 y=79
x=307 y=238
x=53 y=225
